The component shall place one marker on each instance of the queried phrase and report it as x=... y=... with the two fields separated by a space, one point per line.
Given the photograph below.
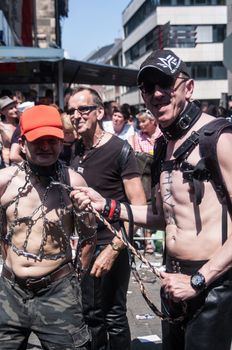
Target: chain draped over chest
x=39 y=213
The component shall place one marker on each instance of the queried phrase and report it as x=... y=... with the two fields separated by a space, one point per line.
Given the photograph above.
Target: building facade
x=229 y=32
x=193 y=29
x=112 y=55
x=30 y=24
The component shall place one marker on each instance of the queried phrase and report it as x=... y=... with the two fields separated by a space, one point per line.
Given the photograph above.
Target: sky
x=90 y=25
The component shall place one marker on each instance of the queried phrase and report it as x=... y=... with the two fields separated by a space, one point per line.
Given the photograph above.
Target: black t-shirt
x=102 y=172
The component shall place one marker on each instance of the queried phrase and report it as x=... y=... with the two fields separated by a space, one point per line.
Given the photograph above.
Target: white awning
x=10 y=54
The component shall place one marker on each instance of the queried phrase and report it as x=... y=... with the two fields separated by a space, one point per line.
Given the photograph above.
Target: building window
x=219 y=33
x=143 y=12
x=192 y=2
x=175 y=37
x=182 y=36
x=203 y=71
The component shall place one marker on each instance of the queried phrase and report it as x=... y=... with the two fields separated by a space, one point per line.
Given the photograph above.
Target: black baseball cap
x=165 y=61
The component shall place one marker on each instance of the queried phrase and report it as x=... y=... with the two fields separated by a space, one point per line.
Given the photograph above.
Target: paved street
x=144 y=331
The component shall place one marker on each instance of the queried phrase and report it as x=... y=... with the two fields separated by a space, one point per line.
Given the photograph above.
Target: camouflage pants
x=53 y=313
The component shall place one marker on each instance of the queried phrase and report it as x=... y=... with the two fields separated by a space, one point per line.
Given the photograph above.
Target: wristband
x=117 y=211
x=107 y=207
x=112 y=209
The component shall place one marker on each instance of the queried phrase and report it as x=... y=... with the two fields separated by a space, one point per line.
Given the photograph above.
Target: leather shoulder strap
x=208 y=149
x=208 y=139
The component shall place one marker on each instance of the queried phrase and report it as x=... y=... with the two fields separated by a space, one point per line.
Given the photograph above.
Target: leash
x=141 y=257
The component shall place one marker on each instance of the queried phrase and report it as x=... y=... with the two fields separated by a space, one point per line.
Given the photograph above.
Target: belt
x=34 y=284
x=188 y=267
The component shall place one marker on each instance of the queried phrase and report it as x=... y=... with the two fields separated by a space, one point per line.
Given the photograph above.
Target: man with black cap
x=189 y=207
x=39 y=286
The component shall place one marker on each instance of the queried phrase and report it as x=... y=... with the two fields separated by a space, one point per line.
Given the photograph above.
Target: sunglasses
x=81 y=110
x=165 y=84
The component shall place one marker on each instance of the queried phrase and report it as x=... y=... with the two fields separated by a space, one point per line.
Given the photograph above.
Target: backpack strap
x=208 y=149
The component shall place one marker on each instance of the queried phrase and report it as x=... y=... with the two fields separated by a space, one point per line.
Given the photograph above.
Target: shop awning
x=21 y=65
x=17 y=54
x=97 y=74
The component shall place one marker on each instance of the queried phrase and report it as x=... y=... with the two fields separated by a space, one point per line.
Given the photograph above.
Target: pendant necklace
x=83 y=156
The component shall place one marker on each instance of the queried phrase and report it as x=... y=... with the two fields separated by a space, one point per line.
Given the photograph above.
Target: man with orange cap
x=39 y=285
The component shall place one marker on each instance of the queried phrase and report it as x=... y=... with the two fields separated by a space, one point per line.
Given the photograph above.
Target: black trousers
x=104 y=305
x=208 y=320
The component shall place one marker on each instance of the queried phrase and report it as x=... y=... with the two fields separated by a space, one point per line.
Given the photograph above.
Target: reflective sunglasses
x=81 y=110
x=165 y=84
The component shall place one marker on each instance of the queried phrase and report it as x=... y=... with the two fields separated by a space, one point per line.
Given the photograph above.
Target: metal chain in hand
x=142 y=258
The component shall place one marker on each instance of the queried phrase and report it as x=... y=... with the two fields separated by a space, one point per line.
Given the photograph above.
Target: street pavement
x=144 y=325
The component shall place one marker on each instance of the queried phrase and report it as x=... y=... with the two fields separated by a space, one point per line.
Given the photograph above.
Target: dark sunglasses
x=81 y=110
x=165 y=84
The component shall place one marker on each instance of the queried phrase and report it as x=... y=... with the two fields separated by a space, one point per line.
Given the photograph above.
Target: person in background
x=144 y=142
x=99 y=161
x=19 y=97
x=222 y=112
x=8 y=123
x=16 y=155
x=32 y=96
x=109 y=107
x=119 y=125
x=129 y=110
x=67 y=94
x=148 y=132
x=70 y=137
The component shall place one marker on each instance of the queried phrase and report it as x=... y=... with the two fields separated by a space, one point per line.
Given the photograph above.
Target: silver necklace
x=83 y=156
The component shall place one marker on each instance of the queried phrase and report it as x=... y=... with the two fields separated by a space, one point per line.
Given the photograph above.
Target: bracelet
x=107 y=207
x=117 y=211
x=112 y=209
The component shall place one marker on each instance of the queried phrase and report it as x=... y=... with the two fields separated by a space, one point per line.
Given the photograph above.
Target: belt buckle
x=40 y=283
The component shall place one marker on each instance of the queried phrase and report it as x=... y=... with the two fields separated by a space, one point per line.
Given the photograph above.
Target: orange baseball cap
x=39 y=121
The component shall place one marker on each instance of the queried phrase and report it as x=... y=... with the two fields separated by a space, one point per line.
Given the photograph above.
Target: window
x=143 y=12
x=191 y=2
x=209 y=70
x=219 y=33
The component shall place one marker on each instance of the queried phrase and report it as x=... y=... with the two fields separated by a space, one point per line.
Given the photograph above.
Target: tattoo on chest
x=168 y=198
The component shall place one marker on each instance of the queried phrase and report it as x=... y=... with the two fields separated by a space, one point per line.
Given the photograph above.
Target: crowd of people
x=65 y=273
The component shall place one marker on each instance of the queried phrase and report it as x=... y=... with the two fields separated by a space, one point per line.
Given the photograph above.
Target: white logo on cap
x=170 y=62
